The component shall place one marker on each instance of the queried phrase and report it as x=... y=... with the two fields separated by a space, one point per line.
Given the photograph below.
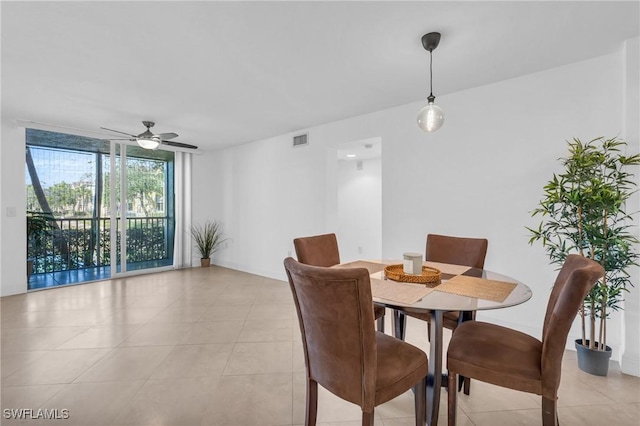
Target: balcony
x=79 y=249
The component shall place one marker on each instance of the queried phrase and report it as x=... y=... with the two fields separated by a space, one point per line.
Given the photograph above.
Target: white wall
x=481 y=175
x=265 y=194
x=630 y=362
x=13 y=229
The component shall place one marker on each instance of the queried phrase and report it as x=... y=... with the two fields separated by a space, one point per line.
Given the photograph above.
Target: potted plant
x=39 y=225
x=583 y=211
x=207 y=239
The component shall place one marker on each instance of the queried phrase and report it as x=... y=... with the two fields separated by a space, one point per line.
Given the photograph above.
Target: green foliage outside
x=145 y=186
x=65 y=199
x=39 y=226
x=145 y=192
x=583 y=211
x=146 y=241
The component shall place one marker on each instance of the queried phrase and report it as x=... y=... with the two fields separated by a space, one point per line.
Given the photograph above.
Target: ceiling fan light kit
x=430 y=117
x=148 y=143
x=149 y=140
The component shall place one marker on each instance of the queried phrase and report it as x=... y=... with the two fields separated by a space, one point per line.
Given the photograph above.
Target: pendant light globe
x=430 y=118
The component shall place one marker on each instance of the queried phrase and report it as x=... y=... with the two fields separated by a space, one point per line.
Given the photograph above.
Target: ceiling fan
x=149 y=140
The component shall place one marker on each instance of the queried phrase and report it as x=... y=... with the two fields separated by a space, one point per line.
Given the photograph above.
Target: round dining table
x=436 y=303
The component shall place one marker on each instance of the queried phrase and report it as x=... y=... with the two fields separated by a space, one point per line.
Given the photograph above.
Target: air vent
x=301 y=140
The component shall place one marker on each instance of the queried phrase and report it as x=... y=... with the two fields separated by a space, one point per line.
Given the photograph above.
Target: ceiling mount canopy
x=431 y=117
x=430 y=41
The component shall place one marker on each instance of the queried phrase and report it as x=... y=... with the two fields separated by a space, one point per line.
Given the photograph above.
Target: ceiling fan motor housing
x=147 y=134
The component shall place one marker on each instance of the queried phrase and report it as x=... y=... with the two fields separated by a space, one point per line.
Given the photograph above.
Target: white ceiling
x=223 y=73
x=364 y=149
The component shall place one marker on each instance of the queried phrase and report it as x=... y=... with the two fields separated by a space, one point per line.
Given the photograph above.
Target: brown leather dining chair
x=322 y=250
x=342 y=351
x=511 y=359
x=457 y=251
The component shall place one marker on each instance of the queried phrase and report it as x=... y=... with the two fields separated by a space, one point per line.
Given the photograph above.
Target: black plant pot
x=592 y=361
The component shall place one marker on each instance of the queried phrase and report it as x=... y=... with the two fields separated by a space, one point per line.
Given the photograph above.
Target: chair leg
x=380 y=324
x=464 y=383
x=399 y=324
x=451 y=399
x=420 y=391
x=312 y=403
x=367 y=418
x=549 y=412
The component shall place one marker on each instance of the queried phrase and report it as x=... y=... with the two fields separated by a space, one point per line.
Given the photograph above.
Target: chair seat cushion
x=497 y=355
x=400 y=366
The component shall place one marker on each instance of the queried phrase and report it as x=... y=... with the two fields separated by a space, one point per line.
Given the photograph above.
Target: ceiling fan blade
x=118 y=131
x=179 y=144
x=167 y=135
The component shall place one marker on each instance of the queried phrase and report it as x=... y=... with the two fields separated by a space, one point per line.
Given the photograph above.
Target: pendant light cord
x=431 y=72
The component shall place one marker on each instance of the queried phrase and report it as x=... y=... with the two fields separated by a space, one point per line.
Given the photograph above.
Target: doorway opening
x=359 y=199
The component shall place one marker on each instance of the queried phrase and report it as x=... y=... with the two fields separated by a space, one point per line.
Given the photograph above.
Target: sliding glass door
x=107 y=219
x=141 y=213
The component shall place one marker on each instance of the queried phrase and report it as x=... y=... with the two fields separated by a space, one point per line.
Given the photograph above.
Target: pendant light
x=431 y=117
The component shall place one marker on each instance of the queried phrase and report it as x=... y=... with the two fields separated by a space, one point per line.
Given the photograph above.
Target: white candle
x=412 y=263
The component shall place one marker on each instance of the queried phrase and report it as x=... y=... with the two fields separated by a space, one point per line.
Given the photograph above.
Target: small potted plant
x=39 y=226
x=207 y=239
x=583 y=211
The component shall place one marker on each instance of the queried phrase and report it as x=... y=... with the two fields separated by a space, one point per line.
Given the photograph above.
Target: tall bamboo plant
x=583 y=211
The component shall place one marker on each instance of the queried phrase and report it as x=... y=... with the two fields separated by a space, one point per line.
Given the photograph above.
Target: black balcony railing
x=86 y=243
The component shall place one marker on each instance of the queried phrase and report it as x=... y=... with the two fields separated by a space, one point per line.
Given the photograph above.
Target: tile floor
x=213 y=346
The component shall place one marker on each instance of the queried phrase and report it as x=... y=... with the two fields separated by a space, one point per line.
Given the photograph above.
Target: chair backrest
x=456 y=250
x=318 y=250
x=335 y=313
x=576 y=278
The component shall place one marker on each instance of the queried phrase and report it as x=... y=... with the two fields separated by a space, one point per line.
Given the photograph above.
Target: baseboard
x=276 y=275
x=630 y=364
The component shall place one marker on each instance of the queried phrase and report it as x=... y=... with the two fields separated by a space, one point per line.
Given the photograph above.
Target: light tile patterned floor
x=213 y=346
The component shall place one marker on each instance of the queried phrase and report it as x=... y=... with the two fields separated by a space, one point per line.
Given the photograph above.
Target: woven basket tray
x=430 y=276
